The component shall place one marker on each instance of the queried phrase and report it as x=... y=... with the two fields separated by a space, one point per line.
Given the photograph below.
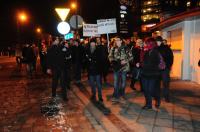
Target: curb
x=98 y=116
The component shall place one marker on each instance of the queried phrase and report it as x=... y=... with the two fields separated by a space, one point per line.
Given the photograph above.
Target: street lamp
x=38 y=30
x=73 y=5
x=22 y=17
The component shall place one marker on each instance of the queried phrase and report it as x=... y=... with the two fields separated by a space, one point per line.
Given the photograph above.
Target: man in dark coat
x=94 y=72
x=168 y=57
x=57 y=63
x=77 y=60
x=103 y=51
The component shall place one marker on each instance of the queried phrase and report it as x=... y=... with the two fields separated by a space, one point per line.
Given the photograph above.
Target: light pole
x=38 y=34
x=21 y=18
x=74 y=7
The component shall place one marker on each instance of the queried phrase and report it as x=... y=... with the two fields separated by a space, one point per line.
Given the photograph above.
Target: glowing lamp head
x=22 y=17
x=38 y=30
x=73 y=5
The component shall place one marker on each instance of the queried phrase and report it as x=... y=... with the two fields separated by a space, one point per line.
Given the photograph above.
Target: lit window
x=149 y=2
x=188 y=3
x=149 y=9
x=176 y=2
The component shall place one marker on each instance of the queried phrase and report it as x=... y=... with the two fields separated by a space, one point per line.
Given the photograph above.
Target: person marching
x=120 y=56
x=94 y=69
x=58 y=58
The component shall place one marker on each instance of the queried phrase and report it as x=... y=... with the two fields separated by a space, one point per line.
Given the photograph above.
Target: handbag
x=199 y=63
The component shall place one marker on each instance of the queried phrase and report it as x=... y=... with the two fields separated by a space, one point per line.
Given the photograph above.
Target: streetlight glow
x=73 y=5
x=38 y=30
x=22 y=17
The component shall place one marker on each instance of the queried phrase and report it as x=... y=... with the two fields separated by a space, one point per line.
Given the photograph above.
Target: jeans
x=166 y=79
x=97 y=79
x=119 y=84
x=151 y=88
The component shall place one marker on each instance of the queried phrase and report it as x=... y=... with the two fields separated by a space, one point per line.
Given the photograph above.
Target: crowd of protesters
x=146 y=60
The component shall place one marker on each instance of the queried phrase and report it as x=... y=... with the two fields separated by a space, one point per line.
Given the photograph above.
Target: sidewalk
x=20 y=99
x=181 y=115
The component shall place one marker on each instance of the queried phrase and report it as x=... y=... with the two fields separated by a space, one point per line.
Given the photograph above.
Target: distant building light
x=122 y=16
x=149 y=2
x=176 y=2
x=150 y=25
x=122 y=7
x=123 y=12
x=188 y=3
x=149 y=9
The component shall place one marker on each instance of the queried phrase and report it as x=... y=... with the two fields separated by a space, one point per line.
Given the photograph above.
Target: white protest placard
x=90 y=30
x=106 y=26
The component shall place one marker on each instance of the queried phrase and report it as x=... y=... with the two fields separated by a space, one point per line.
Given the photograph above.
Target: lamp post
x=22 y=17
x=74 y=7
x=38 y=31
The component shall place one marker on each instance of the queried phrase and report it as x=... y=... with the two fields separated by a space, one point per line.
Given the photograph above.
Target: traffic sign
x=62 y=13
x=76 y=21
x=69 y=36
x=63 y=28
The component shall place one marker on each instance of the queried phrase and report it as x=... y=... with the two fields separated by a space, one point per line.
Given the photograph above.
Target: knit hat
x=159 y=38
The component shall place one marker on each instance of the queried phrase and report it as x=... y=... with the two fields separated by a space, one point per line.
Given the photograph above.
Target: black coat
x=103 y=53
x=78 y=54
x=151 y=63
x=93 y=62
x=136 y=56
x=67 y=57
x=28 y=54
x=54 y=57
x=167 y=55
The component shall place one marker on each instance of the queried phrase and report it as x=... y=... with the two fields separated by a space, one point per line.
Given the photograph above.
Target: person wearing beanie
x=168 y=58
x=151 y=72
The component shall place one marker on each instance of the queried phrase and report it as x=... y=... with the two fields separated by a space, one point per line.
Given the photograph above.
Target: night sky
x=41 y=13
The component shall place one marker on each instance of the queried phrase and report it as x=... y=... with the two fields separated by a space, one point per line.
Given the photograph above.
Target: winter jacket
x=151 y=62
x=54 y=57
x=93 y=62
x=118 y=54
x=167 y=55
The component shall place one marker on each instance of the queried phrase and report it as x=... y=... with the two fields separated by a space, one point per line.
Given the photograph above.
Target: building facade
x=155 y=11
